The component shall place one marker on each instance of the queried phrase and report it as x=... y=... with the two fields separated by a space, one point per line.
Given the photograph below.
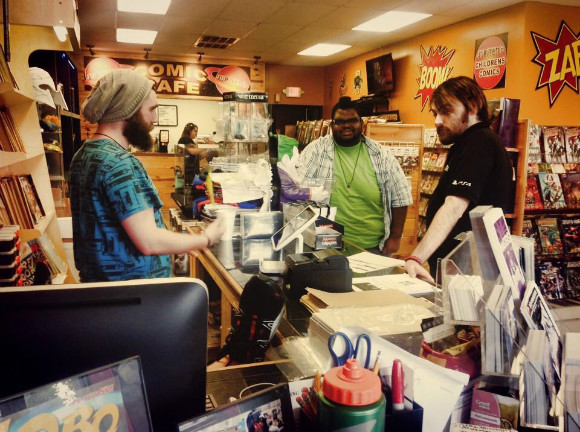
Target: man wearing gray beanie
x=118 y=230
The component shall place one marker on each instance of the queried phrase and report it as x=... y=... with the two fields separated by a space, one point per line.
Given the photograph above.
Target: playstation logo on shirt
x=461 y=183
x=446 y=168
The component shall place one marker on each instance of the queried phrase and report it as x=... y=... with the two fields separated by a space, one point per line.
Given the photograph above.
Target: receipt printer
x=326 y=270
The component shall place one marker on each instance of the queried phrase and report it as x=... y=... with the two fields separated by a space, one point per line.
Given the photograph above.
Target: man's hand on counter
x=414 y=269
x=214 y=231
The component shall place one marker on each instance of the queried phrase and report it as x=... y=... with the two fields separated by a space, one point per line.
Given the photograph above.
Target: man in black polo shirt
x=477 y=171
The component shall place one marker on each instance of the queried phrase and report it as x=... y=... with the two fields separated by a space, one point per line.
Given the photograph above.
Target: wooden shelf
x=558 y=212
x=11 y=96
x=13 y=158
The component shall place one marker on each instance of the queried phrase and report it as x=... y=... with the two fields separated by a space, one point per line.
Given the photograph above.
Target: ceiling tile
x=300 y=14
x=184 y=24
x=196 y=9
x=251 y=45
x=139 y=21
x=273 y=32
x=349 y=17
x=230 y=28
x=251 y=10
x=323 y=2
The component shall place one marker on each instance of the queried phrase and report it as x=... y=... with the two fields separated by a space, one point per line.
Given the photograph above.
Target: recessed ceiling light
x=146 y=37
x=390 y=21
x=323 y=49
x=158 y=7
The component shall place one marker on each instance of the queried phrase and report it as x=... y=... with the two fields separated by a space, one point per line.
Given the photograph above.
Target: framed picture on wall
x=167 y=115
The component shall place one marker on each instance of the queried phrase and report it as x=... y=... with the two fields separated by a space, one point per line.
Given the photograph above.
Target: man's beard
x=137 y=133
x=448 y=136
x=348 y=143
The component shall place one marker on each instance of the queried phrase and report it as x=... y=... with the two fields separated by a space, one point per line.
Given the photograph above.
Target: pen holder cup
x=468 y=363
x=404 y=421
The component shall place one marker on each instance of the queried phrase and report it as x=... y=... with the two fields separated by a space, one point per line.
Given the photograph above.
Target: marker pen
x=398 y=386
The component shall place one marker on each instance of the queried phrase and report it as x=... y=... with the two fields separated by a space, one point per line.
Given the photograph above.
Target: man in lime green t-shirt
x=369 y=187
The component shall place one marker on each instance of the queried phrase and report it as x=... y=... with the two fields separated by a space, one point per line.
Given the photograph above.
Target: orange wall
x=521 y=76
x=309 y=78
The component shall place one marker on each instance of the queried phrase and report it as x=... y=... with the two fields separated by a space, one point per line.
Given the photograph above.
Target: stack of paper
x=572 y=381
x=536 y=395
x=500 y=331
x=465 y=292
x=402 y=282
x=369 y=264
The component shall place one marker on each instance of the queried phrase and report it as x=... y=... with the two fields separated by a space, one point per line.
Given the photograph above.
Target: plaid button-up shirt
x=317 y=161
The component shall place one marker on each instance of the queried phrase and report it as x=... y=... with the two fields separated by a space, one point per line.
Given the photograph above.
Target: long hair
x=187 y=129
x=466 y=91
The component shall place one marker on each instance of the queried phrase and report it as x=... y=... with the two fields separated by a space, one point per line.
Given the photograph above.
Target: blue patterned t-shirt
x=107 y=185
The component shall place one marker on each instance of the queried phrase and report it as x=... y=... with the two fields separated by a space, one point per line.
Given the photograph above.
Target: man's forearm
x=443 y=222
x=398 y=215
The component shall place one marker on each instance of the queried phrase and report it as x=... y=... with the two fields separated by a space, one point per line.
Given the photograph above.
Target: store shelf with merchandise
x=25 y=185
x=552 y=209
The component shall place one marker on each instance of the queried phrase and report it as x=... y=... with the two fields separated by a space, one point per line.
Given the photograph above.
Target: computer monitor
x=53 y=332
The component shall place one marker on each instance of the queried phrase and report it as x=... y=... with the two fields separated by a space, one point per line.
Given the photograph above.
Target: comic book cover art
x=552 y=193
x=535 y=149
x=551 y=280
x=530 y=230
x=572 y=273
x=533 y=200
x=554 y=147
x=572 y=138
x=108 y=398
x=550 y=238
x=571 y=234
x=571 y=189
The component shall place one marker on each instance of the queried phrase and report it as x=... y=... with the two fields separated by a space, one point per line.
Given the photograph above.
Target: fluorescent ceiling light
x=323 y=49
x=391 y=21
x=158 y=7
x=136 y=36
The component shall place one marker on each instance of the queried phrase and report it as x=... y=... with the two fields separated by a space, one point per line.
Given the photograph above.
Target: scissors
x=349 y=352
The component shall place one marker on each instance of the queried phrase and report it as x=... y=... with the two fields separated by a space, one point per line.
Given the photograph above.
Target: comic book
x=440 y=164
x=571 y=234
x=535 y=149
x=572 y=138
x=572 y=274
x=423 y=206
x=533 y=200
x=571 y=189
x=551 y=280
x=433 y=161
x=550 y=238
x=426 y=160
x=554 y=147
x=530 y=230
x=552 y=193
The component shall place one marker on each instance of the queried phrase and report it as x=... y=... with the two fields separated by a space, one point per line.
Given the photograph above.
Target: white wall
x=201 y=112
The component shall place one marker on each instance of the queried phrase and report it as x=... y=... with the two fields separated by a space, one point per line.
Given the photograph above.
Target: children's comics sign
x=559 y=59
x=489 y=69
x=433 y=70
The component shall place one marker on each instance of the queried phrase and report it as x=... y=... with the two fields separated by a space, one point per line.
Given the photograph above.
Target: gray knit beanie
x=116 y=96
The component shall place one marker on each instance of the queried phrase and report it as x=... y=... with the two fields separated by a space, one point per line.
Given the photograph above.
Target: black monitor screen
x=51 y=333
x=380 y=77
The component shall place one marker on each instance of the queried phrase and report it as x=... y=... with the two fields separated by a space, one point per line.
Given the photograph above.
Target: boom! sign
x=433 y=70
x=560 y=61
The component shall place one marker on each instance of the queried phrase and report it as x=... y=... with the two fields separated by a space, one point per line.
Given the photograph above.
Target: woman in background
x=189 y=134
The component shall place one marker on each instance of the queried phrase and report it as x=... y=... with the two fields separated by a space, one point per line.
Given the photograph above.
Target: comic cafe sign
x=433 y=70
x=559 y=60
x=175 y=78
